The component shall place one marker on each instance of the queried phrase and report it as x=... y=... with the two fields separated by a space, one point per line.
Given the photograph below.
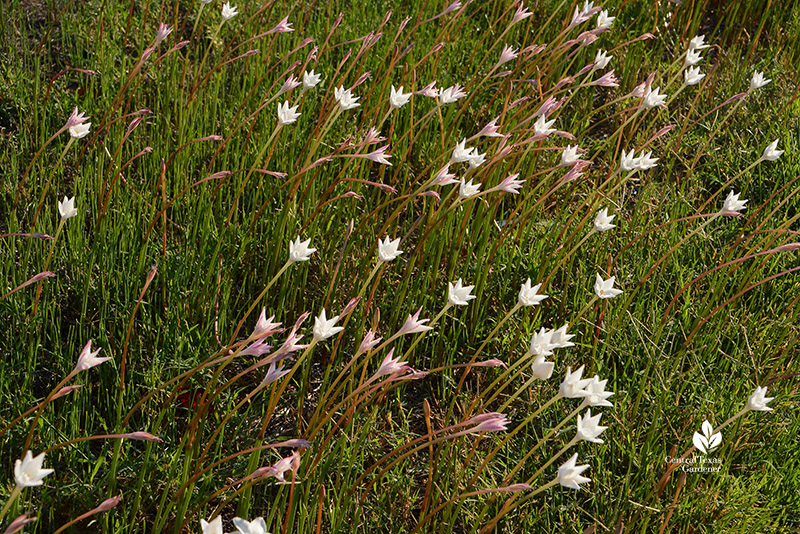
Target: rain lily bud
x=458 y=294
x=602 y=222
x=560 y=339
x=508 y=54
x=573 y=385
x=652 y=98
x=414 y=324
x=604 y=21
x=521 y=13
x=601 y=60
x=698 y=42
x=569 y=474
x=569 y=156
x=398 y=98
x=369 y=342
x=163 y=32
x=66 y=390
x=324 y=327
x=758 y=401
x=542 y=126
x=141 y=436
x=490 y=422
x=451 y=94
x=510 y=184
x=541 y=368
x=693 y=57
x=17 y=524
x=300 y=251
x=391 y=366
x=529 y=296
x=595 y=393
x=256 y=526
x=732 y=203
x=452 y=7
x=66 y=208
x=88 y=359
x=771 y=153
x=287 y=115
x=388 y=250
x=214 y=527
x=758 y=81
x=547 y=107
x=79 y=131
x=28 y=472
x=692 y=76
x=604 y=289
x=461 y=153
x=310 y=79
x=541 y=344
x=346 y=99
x=468 y=189
x=283 y=26
x=589 y=427
x=228 y=12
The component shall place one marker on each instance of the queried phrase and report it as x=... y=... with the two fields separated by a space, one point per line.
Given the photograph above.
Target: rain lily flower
x=601 y=60
x=214 y=527
x=602 y=222
x=645 y=162
x=698 y=42
x=606 y=80
x=461 y=153
x=379 y=156
x=692 y=76
x=310 y=79
x=510 y=184
x=628 y=162
x=582 y=15
x=458 y=294
x=560 y=339
x=429 y=90
x=300 y=251
x=541 y=343
x=604 y=21
x=274 y=373
x=604 y=289
x=652 y=98
x=595 y=393
x=451 y=94
x=693 y=57
x=490 y=422
x=284 y=26
x=569 y=474
x=398 y=98
x=256 y=526
x=17 y=524
x=542 y=126
x=732 y=202
x=490 y=130
x=529 y=296
x=758 y=81
x=279 y=468
x=228 y=12
x=452 y=7
x=369 y=342
x=287 y=115
x=66 y=208
x=290 y=83
x=79 y=131
x=391 y=366
x=589 y=427
x=521 y=13
x=468 y=189
x=264 y=327
x=414 y=324
x=345 y=98
x=475 y=160
x=88 y=359
x=569 y=156
x=444 y=177
x=388 y=250
x=163 y=32
x=28 y=472
x=76 y=118
x=758 y=401
x=324 y=327
x=541 y=368
x=771 y=153
x=508 y=54
x=573 y=385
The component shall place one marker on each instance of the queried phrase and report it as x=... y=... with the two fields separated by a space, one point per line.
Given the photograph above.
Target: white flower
x=644 y=162
x=468 y=189
x=601 y=60
x=215 y=527
x=605 y=288
x=569 y=474
x=508 y=54
x=603 y=20
x=542 y=369
x=345 y=98
x=595 y=393
x=529 y=296
x=300 y=251
x=451 y=94
x=79 y=131
x=771 y=153
x=388 y=250
x=698 y=42
x=256 y=526
x=573 y=385
x=541 y=343
x=67 y=209
x=569 y=156
x=627 y=162
x=475 y=160
x=398 y=98
x=652 y=98
x=758 y=81
x=458 y=294
x=692 y=76
x=732 y=202
x=324 y=327
x=287 y=115
x=542 y=126
x=560 y=338
x=88 y=359
x=602 y=222
x=310 y=79
x=693 y=57
x=28 y=472
x=589 y=427
x=758 y=400
x=461 y=153
x=228 y=12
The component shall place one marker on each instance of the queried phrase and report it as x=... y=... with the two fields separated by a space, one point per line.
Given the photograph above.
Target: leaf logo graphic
x=707 y=441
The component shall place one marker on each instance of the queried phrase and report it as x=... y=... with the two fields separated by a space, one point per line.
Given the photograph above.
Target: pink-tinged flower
x=489 y=422
x=429 y=90
x=290 y=83
x=257 y=348
x=379 y=156
x=433 y=194
x=451 y=94
x=291 y=344
x=508 y=54
x=361 y=79
x=66 y=390
x=510 y=184
x=582 y=15
x=274 y=373
x=575 y=172
x=521 y=13
x=569 y=474
x=140 y=436
x=18 y=523
x=283 y=26
x=414 y=324
x=76 y=118
x=88 y=359
x=641 y=90
x=370 y=341
x=494 y=362
x=452 y=7
x=373 y=136
x=265 y=327
x=547 y=107
x=392 y=366
x=290 y=463
x=351 y=305
x=28 y=472
x=490 y=130
x=163 y=32
x=606 y=80
x=444 y=177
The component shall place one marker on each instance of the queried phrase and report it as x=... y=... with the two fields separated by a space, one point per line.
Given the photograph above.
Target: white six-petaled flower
x=758 y=400
x=572 y=387
x=67 y=209
x=459 y=294
x=398 y=98
x=300 y=251
x=228 y=12
x=732 y=202
x=286 y=114
x=28 y=472
x=589 y=427
x=345 y=98
x=771 y=153
x=468 y=189
x=388 y=250
x=256 y=526
x=311 y=79
x=569 y=474
x=602 y=222
x=324 y=327
x=604 y=289
x=529 y=295
x=214 y=527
